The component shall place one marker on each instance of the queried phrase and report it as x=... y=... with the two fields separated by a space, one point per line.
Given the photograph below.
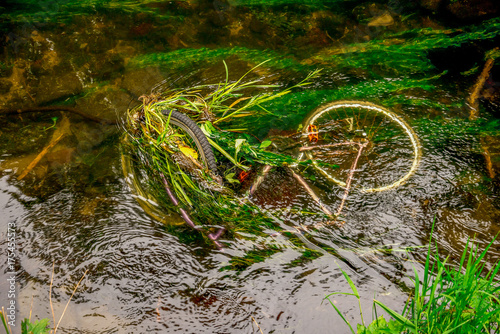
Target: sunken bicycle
x=176 y=134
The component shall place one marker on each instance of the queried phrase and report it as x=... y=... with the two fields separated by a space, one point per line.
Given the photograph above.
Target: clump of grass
x=214 y=108
x=462 y=298
x=218 y=102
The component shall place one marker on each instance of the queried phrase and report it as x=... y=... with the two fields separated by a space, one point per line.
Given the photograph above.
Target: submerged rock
x=54 y=87
x=15 y=93
x=141 y=81
x=60 y=155
x=106 y=66
x=472 y=9
x=257 y=25
x=5 y=85
x=108 y=102
x=331 y=24
x=367 y=11
x=431 y=4
x=462 y=9
x=89 y=206
x=89 y=137
x=383 y=20
x=123 y=50
x=209 y=33
x=16 y=164
x=217 y=18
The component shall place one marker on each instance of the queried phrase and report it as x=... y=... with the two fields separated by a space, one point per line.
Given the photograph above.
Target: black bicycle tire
x=194 y=131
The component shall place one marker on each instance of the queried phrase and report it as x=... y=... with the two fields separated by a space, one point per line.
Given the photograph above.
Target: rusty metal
x=349 y=178
x=311 y=193
x=260 y=178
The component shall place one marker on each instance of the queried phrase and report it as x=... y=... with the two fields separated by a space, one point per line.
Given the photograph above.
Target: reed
x=450 y=298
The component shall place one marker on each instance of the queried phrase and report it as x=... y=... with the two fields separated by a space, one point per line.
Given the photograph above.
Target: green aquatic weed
x=406 y=51
x=154 y=143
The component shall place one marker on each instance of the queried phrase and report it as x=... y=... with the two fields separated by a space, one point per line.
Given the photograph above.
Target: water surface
x=75 y=209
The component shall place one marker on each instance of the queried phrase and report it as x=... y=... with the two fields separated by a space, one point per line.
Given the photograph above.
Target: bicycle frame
x=309 y=190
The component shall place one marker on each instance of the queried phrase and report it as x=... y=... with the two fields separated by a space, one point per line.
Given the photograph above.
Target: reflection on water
x=76 y=210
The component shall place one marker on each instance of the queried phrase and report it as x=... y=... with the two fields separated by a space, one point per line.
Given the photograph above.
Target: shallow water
x=75 y=210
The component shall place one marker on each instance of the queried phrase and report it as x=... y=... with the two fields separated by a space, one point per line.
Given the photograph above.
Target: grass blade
x=341 y=315
x=395 y=315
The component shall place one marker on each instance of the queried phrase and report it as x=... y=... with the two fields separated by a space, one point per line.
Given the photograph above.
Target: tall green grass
x=461 y=298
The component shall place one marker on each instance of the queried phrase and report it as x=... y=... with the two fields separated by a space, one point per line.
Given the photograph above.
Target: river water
x=74 y=211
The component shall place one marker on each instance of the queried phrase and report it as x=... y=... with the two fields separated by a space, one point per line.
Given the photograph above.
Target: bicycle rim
x=391 y=156
x=137 y=180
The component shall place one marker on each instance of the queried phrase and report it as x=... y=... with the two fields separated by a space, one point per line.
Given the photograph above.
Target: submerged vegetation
x=461 y=298
x=406 y=52
x=374 y=60
x=166 y=156
x=187 y=58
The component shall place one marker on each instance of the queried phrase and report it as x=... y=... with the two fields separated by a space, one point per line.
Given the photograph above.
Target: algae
x=393 y=69
x=406 y=51
x=188 y=58
x=43 y=12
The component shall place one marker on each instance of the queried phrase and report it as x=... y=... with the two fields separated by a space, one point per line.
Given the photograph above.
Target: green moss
x=406 y=52
x=39 y=12
x=441 y=128
x=419 y=102
x=308 y=255
x=187 y=58
x=289 y=111
x=309 y=3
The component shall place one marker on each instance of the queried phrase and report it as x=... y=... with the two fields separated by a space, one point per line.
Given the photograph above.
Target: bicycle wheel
x=187 y=145
x=138 y=180
x=334 y=133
